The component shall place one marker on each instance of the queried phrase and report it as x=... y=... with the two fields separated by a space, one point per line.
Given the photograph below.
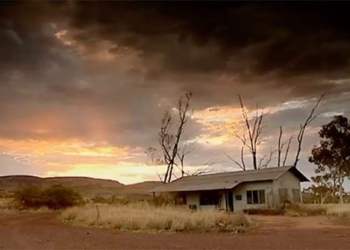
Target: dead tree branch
x=181 y=156
x=279 y=147
x=152 y=154
x=254 y=131
x=287 y=150
x=268 y=158
x=241 y=166
x=303 y=127
x=170 y=142
x=203 y=170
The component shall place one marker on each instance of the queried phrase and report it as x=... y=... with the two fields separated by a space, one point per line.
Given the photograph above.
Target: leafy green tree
x=321 y=188
x=332 y=156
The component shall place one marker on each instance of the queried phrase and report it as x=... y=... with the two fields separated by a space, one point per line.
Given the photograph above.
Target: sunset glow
x=84 y=86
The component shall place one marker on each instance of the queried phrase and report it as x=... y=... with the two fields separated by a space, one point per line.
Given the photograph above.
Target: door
x=230 y=200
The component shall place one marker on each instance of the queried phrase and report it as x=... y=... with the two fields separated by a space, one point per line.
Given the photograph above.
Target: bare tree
x=155 y=160
x=265 y=160
x=287 y=150
x=280 y=147
x=205 y=169
x=241 y=164
x=168 y=141
x=307 y=122
x=254 y=131
x=181 y=154
x=287 y=143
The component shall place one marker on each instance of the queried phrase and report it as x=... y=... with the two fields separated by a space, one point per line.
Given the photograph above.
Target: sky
x=84 y=85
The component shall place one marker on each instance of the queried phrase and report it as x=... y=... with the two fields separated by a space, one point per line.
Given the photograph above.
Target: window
x=255 y=196
x=209 y=198
x=238 y=197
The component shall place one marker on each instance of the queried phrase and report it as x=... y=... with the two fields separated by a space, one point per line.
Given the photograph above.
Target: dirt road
x=44 y=231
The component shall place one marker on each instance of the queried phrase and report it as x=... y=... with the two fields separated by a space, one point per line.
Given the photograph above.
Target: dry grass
x=265 y=212
x=304 y=210
x=336 y=210
x=341 y=211
x=144 y=217
x=7 y=205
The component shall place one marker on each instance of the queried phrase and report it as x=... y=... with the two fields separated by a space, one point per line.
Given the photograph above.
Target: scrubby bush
x=53 y=197
x=58 y=196
x=30 y=196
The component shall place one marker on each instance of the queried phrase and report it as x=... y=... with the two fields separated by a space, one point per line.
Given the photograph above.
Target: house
x=237 y=191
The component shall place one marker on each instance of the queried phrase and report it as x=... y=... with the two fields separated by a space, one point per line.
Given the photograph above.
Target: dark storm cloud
x=26 y=34
x=292 y=46
x=268 y=52
x=32 y=60
x=293 y=39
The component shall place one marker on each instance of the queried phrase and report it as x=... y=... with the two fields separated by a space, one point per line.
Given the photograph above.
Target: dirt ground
x=45 y=231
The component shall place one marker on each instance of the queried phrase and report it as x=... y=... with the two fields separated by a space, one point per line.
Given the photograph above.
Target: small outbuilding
x=237 y=191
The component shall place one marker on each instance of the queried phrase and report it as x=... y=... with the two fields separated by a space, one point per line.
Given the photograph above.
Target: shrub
x=29 y=196
x=54 y=197
x=58 y=196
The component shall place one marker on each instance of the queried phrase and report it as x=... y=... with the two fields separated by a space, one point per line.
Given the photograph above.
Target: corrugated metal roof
x=226 y=180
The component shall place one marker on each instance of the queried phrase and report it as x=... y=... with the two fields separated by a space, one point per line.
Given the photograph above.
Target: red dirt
x=44 y=231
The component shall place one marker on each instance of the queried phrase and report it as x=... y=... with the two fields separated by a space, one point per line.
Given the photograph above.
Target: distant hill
x=141 y=187
x=89 y=187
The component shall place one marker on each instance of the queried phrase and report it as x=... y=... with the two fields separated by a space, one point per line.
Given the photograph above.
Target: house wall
x=207 y=207
x=222 y=201
x=239 y=205
x=192 y=198
x=283 y=188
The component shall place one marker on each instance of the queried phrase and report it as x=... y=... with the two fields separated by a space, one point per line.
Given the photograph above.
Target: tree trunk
x=323 y=198
x=334 y=190
x=254 y=161
x=341 y=200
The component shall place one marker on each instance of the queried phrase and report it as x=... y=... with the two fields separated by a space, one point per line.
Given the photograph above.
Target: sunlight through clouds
x=84 y=86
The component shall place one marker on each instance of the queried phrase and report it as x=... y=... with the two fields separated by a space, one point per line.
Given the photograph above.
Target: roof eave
x=297 y=173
